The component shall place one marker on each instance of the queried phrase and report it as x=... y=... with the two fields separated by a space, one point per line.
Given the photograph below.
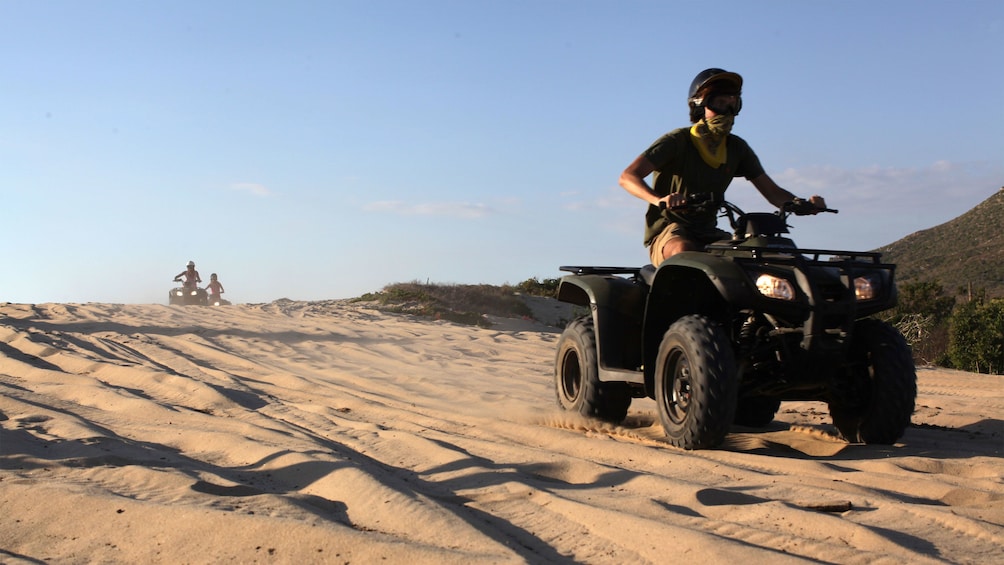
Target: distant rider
x=191 y=277
x=215 y=289
x=703 y=158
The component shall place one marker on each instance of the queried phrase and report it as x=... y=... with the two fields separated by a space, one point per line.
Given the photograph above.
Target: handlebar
x=802 y=207
x=697 y=201
x=798 y=206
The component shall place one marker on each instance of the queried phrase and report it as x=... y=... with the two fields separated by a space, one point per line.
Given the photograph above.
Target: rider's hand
x=672 y=201
x=819 y=202
x=812 y=206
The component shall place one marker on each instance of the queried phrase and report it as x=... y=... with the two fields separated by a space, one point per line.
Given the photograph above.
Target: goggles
x=724 y=104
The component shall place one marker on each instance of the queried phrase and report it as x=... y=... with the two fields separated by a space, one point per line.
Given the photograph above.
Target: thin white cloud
x=252 y=188
x=384 y=206
x=464 y=210
x=924 y=189
x=916 y=197
x=614 y=198
x=878 y=205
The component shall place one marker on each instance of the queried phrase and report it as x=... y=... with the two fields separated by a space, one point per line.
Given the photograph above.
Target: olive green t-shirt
x=679 y=167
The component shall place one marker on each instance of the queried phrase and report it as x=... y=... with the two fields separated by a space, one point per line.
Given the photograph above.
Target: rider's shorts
x=699 y=234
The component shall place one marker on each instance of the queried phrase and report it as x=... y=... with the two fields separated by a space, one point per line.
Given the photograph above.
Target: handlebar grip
x=663 y=207
x=802 y=207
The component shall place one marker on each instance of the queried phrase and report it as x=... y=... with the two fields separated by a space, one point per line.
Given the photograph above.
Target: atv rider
x=191 y=276
x=215 y=288
x=703 y=158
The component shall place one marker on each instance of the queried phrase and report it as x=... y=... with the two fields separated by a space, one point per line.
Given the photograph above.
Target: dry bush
x=465 y=304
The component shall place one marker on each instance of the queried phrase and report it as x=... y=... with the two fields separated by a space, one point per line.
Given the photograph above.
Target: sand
x=329 y=432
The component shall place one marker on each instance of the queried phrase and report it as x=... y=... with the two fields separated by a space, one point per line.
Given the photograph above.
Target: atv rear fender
x=617 y=306
x=630 y=315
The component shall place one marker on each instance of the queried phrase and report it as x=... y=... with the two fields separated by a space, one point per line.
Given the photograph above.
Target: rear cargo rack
x=795 y=254
x=600 y=270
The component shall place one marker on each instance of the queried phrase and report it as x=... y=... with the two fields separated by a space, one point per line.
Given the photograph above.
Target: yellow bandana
x=714 y=161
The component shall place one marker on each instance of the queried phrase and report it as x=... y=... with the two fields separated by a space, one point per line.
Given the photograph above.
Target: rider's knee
x=671 y=247
x=677 y=245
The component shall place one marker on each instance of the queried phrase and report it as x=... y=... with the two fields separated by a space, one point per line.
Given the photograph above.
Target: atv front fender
x=691 y=283
x=682 y=271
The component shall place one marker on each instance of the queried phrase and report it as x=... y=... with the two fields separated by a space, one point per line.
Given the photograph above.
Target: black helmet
x=723 y=81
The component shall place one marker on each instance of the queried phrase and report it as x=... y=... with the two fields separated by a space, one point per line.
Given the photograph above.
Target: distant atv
x=187 y=296
x=721 y=337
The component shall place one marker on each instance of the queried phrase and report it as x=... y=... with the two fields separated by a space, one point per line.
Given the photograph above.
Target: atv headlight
x=866 y=287
x=775 y=287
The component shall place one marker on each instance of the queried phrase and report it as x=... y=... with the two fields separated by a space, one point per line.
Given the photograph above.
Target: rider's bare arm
x=633 y=180
x=777 y=195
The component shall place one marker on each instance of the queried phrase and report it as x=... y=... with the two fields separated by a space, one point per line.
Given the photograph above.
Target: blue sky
x=317 y=150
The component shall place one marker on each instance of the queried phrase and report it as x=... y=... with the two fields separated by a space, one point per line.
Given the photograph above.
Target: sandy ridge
x=331 y=432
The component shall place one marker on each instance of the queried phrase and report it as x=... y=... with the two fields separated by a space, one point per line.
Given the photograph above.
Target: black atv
x=722 y=336
x=186 y=296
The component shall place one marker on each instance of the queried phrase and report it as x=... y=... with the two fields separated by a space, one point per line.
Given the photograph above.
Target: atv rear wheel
x=576 y=376
x=695 y=383
x=877 y=401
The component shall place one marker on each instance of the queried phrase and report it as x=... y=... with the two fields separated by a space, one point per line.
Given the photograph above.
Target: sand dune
x=330 y=432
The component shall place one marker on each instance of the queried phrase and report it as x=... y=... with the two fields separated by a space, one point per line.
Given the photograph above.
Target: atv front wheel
x=875 y=403
x=695 y=383
x=576 y=376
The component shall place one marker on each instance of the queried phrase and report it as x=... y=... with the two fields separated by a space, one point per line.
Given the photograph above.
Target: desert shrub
x=976 y=337
x=465 y=304
x=927 y=298
x=922 y=317
x=547 y=287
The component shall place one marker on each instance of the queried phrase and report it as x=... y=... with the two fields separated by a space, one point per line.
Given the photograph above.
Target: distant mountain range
x=967 y=251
